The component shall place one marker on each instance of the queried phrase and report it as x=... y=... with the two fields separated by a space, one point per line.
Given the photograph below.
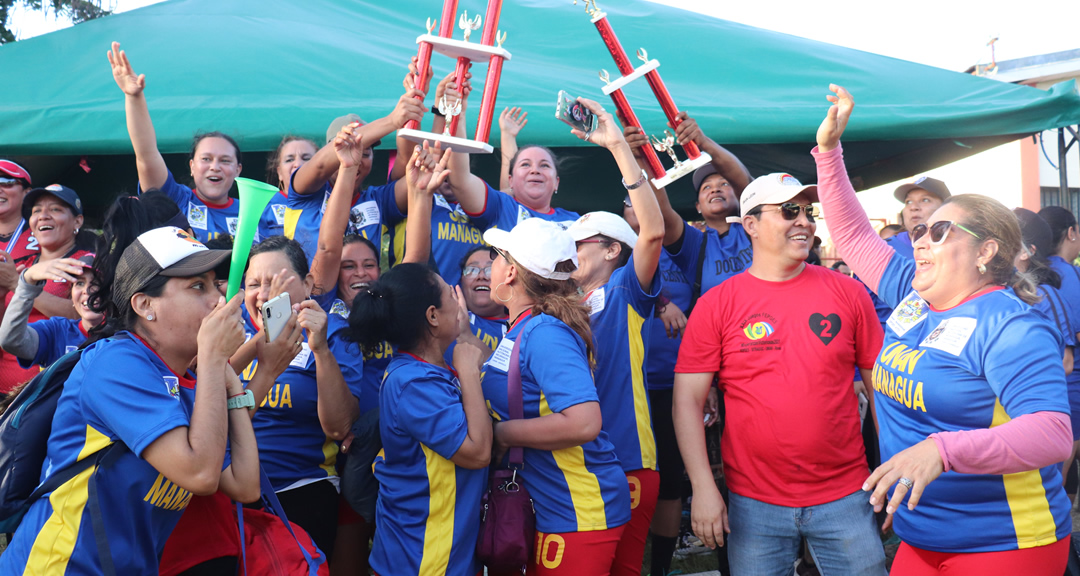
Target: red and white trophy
x=490 y=49
x=662 y=178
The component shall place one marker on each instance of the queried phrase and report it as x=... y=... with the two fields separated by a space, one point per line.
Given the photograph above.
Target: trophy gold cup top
x=590 y=8
x=468 y=25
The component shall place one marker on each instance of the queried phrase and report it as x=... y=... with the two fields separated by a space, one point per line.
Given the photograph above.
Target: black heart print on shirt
x=826 y=327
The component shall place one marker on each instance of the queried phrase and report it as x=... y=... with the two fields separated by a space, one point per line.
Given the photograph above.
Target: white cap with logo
x=775 y=188
x=538 y=245
x=605 y=223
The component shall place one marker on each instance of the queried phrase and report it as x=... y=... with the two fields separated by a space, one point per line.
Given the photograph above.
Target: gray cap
x=931 y=185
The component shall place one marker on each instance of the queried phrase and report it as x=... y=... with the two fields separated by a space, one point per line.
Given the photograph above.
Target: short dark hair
x=204 y=135
x=291 y=248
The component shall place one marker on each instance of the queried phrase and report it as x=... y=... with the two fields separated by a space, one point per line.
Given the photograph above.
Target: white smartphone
x=276 y=313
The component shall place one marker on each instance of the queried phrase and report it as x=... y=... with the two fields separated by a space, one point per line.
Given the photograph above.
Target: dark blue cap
x=65 y=194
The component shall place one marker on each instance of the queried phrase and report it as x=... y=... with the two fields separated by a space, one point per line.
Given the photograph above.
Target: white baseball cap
x=775 y=188
x=604 y=223
x=538 y=245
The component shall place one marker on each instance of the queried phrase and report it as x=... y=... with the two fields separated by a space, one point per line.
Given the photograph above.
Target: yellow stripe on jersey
x=642 y=416
x=292 y=218
x=1032 y=519
x=330 y=452
x=55 y=541
x=439 y=531
x=399 y=241
x=584 y=488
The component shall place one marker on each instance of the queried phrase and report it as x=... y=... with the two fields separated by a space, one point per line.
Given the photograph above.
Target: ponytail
x=394 y=308
x=1024 y=285
x=561 y=299
x=125 y=220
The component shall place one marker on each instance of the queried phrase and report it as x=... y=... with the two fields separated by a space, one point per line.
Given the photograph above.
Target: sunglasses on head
x=939 y=231
x=790 y=211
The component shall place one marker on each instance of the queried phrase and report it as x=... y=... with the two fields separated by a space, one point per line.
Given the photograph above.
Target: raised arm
x=151 y=166
x=727 y=164
x=325 y=266
x=310 y=177
x=673 y=223
x=425 y=171
x=469 y=189
x=511 y=121
x=646 y=252
x=858 y=244
x=16 y=335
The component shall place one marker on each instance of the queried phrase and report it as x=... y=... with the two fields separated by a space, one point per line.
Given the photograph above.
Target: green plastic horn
x=254 y=197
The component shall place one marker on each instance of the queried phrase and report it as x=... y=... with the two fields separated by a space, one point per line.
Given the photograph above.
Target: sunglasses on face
x=790 y=211
x=494 y=254
x=471 y=271
x=939 y=231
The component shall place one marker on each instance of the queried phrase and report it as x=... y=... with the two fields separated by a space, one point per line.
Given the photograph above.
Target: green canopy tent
x=258 y=69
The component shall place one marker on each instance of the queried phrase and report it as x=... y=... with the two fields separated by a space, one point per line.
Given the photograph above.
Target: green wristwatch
x=245 y=400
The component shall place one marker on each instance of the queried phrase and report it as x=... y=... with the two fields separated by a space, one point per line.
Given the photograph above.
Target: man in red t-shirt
x=782 y=339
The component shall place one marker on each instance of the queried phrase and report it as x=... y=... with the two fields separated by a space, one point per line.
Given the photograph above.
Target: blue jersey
x=453 y=235
x=293 y=448
x=901 y=243
x=490 y=331
x=575 y=489
x=504 y=212
x=662 y=351
x=207 y=220
x=977 y=365
x=272 y=222
x=618 y=310
x=1070 y=293
x=119 y=390
x=724 y=255
x=428 y=508
x=56 y=336
x=1056 y=310
x=373 y=214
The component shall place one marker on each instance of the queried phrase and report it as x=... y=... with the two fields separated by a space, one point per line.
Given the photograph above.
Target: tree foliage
x=75 y=10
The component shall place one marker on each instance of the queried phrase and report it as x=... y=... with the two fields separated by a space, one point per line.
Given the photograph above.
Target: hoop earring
x=982 y=268
x=495 y=293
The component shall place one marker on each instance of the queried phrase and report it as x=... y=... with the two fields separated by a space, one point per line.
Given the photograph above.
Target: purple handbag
x=508 y=520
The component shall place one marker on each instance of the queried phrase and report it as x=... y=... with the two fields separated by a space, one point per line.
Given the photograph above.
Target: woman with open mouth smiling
x=971 y=395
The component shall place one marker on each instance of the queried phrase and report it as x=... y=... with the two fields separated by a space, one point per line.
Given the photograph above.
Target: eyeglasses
x=590 y=241
x=471 y=271
x=790 y=210
x=939 y=231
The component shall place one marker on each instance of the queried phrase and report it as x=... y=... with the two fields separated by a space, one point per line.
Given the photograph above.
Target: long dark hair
x=274 y=158
x=1060 y=220
x=394 y=308
x=1036 y=232
x=125 y=220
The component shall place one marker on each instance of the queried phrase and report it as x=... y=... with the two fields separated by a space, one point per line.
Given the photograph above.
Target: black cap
x=1035 y=231
x=65 y=194
x=701 y=174
x=931 y=185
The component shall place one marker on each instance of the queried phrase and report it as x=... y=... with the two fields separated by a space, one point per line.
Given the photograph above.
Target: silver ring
x=906 y=482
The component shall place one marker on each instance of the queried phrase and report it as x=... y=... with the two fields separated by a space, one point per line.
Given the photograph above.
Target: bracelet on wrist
x=435 y=111
x=641 y=182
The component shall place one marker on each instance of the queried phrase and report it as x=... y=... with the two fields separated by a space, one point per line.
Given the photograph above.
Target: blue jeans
x=842 y=537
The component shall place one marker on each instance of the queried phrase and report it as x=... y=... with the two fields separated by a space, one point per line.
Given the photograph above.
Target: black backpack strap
x=695 y=290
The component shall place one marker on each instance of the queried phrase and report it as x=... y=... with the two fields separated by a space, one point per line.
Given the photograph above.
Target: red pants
x=575 y=553
x=1047 y=560
x=644 y=490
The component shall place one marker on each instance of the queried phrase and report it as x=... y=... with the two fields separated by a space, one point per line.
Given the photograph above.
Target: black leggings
x=668 y=457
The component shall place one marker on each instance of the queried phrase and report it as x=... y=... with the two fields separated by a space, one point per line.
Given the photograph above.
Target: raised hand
x=410 y=79
x=607 y=133
x=512 y=120
x=275 y=356
x=448 y=87
x=313 y=319
x=348 y=145
x=688 y=131
x=221 y=331
x=836 y=119
x=409 y=107
x=132 y=84
x=57 y=270
x=427 y=169
x=9 y=273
